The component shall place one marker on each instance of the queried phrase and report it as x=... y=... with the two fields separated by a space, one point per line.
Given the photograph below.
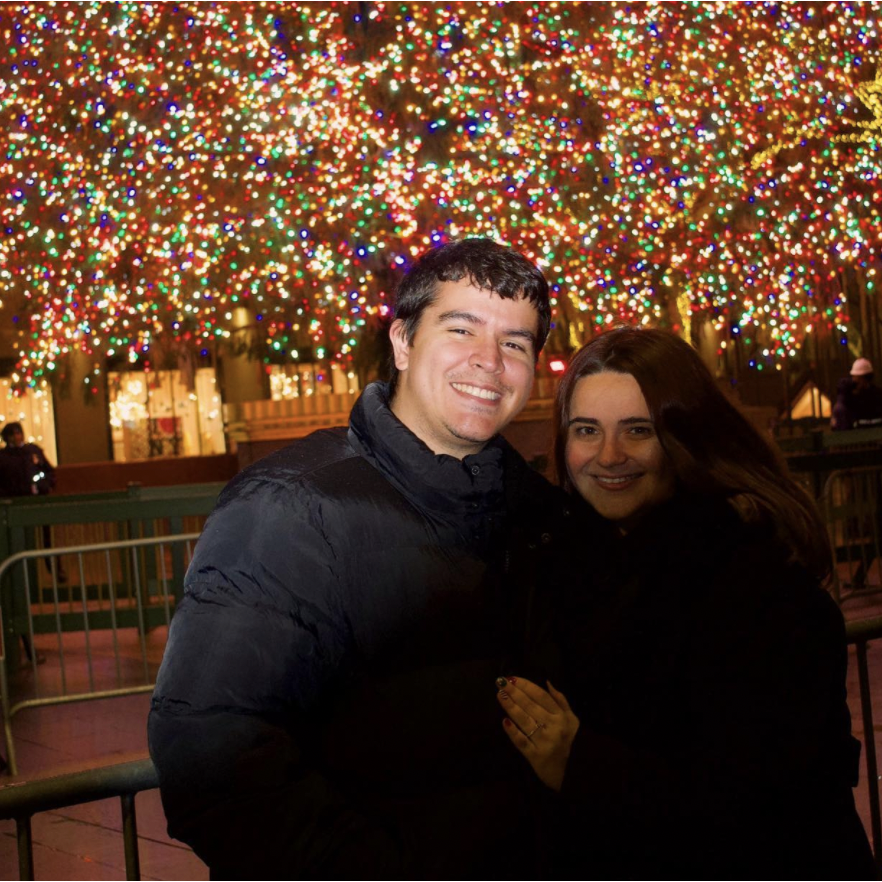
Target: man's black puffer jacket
x=326 y=703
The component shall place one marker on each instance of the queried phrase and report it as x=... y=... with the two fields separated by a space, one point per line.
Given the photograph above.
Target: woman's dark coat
x=709 y=677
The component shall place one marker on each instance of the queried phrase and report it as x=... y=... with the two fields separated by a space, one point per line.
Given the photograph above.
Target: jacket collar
x=471 y=486
x=688 y=528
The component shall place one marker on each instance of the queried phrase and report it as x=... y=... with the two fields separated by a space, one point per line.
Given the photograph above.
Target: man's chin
x=473 y=434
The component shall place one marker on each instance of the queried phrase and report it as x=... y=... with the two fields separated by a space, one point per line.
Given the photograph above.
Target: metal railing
x=20 y=801
x=29 y=523
x=813 y=458
x=123 y=589
x=859 y=635
x=850 y=508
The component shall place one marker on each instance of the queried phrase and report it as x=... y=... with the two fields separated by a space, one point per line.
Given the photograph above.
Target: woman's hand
x=541 y=726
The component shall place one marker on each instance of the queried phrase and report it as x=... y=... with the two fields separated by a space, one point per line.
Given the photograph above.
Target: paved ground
x=84 y=842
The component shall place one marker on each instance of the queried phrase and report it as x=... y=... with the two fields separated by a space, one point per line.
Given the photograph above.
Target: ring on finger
x=538 y=727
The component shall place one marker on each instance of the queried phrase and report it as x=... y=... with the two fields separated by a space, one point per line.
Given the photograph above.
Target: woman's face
x=614 y=457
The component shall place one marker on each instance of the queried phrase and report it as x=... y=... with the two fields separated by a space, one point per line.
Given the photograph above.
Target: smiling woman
x=702 y=729
x=613 y=454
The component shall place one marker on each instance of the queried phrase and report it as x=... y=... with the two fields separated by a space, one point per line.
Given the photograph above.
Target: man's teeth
x=477 y=391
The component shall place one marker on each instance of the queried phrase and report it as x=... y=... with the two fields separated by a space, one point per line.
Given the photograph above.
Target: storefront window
x=303 y=380
x=35 y=413
x=155 y=414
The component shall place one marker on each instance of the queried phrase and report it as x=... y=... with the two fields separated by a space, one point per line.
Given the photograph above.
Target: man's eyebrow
x=521 y=332
x=457 y=315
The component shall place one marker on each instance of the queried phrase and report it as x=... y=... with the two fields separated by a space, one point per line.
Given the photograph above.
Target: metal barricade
x=99 y=622
x=21 y=800
x=859 y=634
x=850 y=507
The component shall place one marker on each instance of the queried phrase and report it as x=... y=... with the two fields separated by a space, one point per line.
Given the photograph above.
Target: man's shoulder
x=34 y=450
x=301 y=460
x=321 y=469
x=285 y=495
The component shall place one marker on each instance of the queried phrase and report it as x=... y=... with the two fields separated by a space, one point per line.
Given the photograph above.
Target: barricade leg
x=870 y=750
x=130 y=836
x=25 y=848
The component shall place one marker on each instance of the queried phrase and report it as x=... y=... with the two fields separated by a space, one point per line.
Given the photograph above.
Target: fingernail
x=501 y=682
x=512 y=680
x=507 y=723
x=502 y=694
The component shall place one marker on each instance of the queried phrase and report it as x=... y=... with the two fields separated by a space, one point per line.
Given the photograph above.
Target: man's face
x=469 y=370
x=16 y=438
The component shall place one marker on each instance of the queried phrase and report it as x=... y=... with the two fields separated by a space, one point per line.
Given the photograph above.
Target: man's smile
x=477 y=391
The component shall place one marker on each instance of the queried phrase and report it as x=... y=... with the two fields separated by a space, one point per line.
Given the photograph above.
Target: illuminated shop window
x=36 y=414
x=155 y=414
x=303 y=380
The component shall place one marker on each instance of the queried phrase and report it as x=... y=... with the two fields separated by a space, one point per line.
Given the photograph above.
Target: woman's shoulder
x=727 y=568
x=755 y=584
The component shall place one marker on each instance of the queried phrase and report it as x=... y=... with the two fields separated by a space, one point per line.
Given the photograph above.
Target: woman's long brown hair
x=713 y=449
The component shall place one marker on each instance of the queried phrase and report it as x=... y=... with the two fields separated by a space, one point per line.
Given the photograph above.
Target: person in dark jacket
x=701 y=727
x=322 y=709
x=858 y=399
x=24 y=469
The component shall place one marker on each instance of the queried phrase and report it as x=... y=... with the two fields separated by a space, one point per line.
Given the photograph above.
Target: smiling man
x=325 y=705
x=472 y=370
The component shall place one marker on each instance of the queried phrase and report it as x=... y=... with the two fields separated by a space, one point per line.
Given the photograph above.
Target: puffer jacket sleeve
x=259 y=637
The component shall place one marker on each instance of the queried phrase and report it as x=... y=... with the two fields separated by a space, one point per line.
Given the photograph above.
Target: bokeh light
x=167 y=164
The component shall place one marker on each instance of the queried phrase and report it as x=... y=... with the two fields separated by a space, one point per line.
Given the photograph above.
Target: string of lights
x=166 y=165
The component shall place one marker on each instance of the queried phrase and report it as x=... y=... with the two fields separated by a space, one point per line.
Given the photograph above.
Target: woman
x=706 y=729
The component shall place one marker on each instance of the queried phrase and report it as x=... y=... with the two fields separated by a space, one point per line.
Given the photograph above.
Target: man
x=326 y=704
x=24 y=469
x=858 y=400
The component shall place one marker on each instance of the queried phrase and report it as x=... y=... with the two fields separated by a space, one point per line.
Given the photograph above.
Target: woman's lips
x=617 y=482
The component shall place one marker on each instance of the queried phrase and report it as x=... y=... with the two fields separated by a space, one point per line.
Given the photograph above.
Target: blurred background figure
x=24 y=469
x=858 y=399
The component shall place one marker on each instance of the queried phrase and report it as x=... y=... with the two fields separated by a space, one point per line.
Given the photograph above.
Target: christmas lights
x=166 y=165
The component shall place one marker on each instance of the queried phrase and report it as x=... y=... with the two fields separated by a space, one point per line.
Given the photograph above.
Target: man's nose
x=486 y=356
